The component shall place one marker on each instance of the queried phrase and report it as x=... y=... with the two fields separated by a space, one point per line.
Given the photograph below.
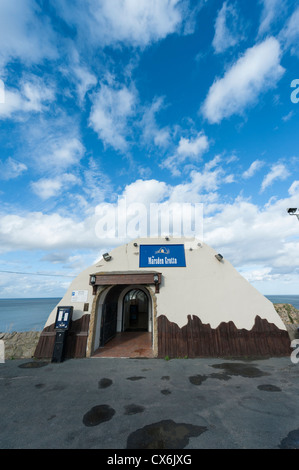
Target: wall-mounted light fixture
x=92 y=282
x=219 y=257
x=107 y=257
x=156 y=281
x=135 y=244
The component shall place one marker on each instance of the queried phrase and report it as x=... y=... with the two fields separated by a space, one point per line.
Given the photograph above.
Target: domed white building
x=182 y=297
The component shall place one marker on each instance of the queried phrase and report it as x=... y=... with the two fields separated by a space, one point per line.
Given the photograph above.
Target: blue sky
x=154 y=101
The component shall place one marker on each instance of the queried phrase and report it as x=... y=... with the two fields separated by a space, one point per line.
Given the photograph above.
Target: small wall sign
x=79 y=296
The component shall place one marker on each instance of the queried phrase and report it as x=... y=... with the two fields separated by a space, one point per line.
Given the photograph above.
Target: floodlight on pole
x=293 y=211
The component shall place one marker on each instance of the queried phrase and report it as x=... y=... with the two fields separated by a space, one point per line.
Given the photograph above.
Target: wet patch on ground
x=165 y=391
x=165 y=377
x=133 y=409
x=238 y=368
x=98 y=414
x=197 y=379
x=70 y=437
x=220 y=376
x=291 y=441
x=105 y=383
x=33 y=365
x=40 y=385
x=135 y=377
x=58 y=387
x=51 y=417
x=164 y=435
x=266 y=407
x=269 y=388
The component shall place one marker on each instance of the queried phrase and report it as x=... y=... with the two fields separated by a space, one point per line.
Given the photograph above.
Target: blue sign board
x=63 y=318
x=166 y=256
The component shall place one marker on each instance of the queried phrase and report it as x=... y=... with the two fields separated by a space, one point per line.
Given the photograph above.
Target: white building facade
x=192 y=301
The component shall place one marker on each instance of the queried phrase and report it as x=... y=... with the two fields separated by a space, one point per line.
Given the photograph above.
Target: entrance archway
x=124 y=317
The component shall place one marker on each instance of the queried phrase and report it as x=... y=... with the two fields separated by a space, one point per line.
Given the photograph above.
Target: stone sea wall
x=20 y=345
x=288 y=313
x=290 y=317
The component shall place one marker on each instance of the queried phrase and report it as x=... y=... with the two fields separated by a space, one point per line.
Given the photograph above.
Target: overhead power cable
x=37 y=274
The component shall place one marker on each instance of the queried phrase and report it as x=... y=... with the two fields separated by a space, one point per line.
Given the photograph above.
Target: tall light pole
x=293 y=211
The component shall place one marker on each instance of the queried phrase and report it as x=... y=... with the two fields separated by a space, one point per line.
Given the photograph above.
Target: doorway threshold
x=127 y=345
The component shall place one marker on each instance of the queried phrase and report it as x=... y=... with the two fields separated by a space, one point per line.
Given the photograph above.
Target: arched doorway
x=135 y=311
x=124 y=317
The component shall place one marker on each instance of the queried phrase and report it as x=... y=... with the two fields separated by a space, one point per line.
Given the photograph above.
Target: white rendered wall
x=213 y=291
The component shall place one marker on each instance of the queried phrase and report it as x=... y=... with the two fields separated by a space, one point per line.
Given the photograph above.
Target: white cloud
x=46 y=187
x=206 y=181
x=254 y=167
x=36 y=93
x=247 y=235
x=272 y=9
x=288 y=116
x=132 y=22
x=229 y=178
x=36 y=230
x=202 y=187
x=51 y=187
x=290 y=33
x=22 y=27
x=56 y=152
x=31 y=97
x=96 y=185
x=66 y=153
x=112 y=107
x=192 y=149
x=52 y=143
x=212 y=163
x=79 y=74
x=226 y=34
x=11 y=169
x=41 y=286
x=150 y=129
x=85 y=80
x=277 y=172
x=294 y=188
x=262 y=274
x=145 y=192
x=262 y=241
x=254 y=73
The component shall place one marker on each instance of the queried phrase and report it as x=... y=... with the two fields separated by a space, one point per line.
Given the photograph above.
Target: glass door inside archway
x=135 y=311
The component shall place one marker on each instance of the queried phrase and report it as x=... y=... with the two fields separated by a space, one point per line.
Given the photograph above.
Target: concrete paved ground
x=150 y=403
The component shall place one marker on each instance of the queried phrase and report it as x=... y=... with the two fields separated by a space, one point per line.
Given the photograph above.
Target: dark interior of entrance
x=135 y=311
x=135 y=315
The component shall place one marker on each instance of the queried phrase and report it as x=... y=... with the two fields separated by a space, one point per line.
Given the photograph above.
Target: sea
x=25 y=314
